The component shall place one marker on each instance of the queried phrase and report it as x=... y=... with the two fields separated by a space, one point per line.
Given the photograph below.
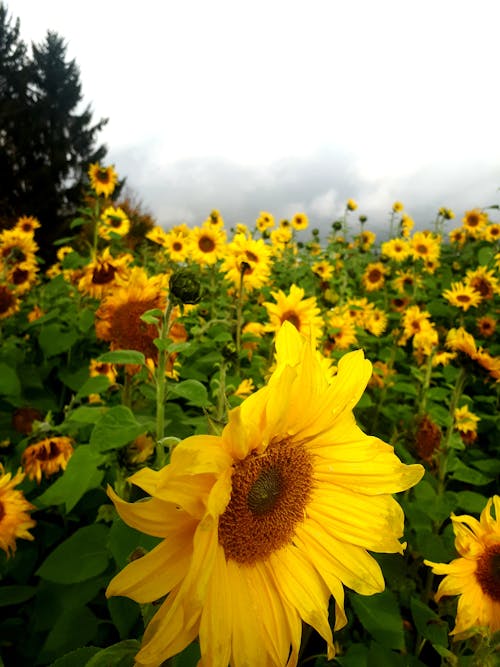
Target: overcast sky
x=290 y=106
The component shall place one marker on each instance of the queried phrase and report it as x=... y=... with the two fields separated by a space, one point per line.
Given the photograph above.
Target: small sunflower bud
x=363 y=219
x=185 y=286
x=337 y=226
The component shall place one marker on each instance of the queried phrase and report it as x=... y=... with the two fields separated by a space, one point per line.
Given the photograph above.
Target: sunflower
x=104 y=273
x=9 y=302
x=459 y=340
x=250 y=257
x=446 y=213
x=417 y=325
x=462 y=295
x=16 y=247
x=302 y=312
x=15 y=522
x=206 y=244
x=475 y=575
x=276 y=514
x=405 y=281
x=157 y=235
x=374 y=276
x=341 y=332
x=351 y=205
x=474 y=222
x=47 y=457
x=397 y=207
x=118 y=318
x=492 y=232
x=458 y=236
x=102 y=179
x=281 y=238
x=466 y=422
x=264 y=221
x=251 y=333
x=407 y=224
x=245 y=388
x=108 y=370
x=426 y=246
x=22 y=276
x=376 y=321
x=176 y=246
x=486 y=326
x=113 y=221
x=299 y=221
x=214 y=220
x=27 y=224
x=483 y=281
x=365 y=240
x=323 y=269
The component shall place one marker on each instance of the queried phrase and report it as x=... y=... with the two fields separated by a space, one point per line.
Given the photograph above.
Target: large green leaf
x=115 y=428
x=81 y=475
x=122 y=654
x=192 y=390
x=82 y=556
x=9 y=381
x=381 y=617
x=123 y=357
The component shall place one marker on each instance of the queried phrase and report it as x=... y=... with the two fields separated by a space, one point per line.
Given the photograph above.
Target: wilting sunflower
x=466 y=422
x=15 y=522
x=113 y=221
x=294 y=308
x=474 y=222
x=104 y=273
x=374 y=276
x=102 y=179
x=462 y=295
x=47 y=457
x=17 y=247
x=276 y=514
x=206 y=244
x=475 y=575
x=118 y=318
x=157 y=235
x=459 y=340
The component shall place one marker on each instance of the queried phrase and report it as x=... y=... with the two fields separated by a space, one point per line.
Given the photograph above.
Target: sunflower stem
x=445 y=445
x=239 y=320
x=161 y=384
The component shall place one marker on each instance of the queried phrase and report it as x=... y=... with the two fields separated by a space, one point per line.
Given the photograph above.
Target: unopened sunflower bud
x=185 y=286
x=337 y=226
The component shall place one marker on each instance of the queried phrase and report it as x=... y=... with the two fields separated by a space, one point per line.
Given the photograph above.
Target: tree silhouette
x=46 y=141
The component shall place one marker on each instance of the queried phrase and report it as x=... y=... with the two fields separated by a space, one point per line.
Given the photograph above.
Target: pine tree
x=47 y=141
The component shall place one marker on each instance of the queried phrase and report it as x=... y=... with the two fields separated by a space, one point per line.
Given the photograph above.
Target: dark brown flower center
x=422 y=249
x=19 y=276
x=374 y=276
x=103 y=176
x=177 y=246
x=206 y=244
x=2 y=510
x=472 y=220
x=251 y=256
x=482 y=286
x=46 y=453
x=104 y=274
x=7 y=299
x=463 y=298
x=292 y=317
x=488 y=572
x=269 y=496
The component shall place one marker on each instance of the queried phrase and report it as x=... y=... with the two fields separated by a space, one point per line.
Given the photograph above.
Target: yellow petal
x=151 y=516
x=348 y=562
x=155 y=574
x=302 y=588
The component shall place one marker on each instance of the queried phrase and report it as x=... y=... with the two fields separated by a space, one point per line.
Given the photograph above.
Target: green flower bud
x=185 y=286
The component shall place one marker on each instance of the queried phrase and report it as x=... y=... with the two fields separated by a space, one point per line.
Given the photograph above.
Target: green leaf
x=124 y=540
x=124 y=614
x=86 y=415
x=15 y=594
x=471 y=502
x=462 y=473
x=485 y=255
x=73 y=628
x=77 y=658
x=123 y=357
x=94 y=385
x=192 y=390
x=9 y=381
x=80 y=557
x=115 y=428
x=122 y=654
x=488 y=466
x=54 y=340
x=381 y=617
x=80 y=476
x=189 y=657
x=428 y=623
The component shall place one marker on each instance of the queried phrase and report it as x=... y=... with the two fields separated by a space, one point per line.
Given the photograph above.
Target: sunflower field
x=250 y=446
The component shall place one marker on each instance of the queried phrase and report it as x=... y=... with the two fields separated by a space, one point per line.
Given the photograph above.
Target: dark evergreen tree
x=47 y=140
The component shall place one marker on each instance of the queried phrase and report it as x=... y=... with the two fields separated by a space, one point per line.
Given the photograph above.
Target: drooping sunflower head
x=15 y=521
x=103 y=180
x=118 y=318
x=46 y=457
x=104 y=273
x=459 y=340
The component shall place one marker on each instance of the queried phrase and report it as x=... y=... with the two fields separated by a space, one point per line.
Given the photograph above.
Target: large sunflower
x=462 y=295
x=475 y=575
x=207 y=244
x=104 y=273
x=250 y=257
x=15 y=522
x=262 y=524
x=302 y=313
